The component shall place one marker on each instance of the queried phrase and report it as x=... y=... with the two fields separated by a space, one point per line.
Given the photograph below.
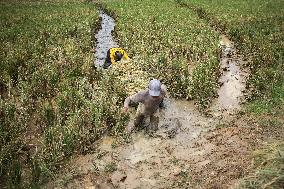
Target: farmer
x=149 y=101
x=114 y=55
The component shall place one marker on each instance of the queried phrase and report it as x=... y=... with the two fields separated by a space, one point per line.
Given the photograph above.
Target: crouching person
x=114 y=55
x=149 y=101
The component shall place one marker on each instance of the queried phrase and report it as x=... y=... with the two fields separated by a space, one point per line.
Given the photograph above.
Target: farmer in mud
x=114 y=55
x=149 y=102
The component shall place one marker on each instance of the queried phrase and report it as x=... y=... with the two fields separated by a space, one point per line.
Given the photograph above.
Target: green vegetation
x=257 y=28
x=52 y=102
x=269 y=169
x=168 y=42
x=110 y=167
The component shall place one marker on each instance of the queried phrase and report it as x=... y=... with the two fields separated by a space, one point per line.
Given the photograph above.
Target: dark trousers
x=140 y=117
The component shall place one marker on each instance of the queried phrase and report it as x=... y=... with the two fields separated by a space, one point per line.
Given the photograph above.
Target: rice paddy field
x=256 y=28
x=54 y=104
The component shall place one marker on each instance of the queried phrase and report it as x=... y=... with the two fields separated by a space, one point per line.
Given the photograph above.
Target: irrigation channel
x=179 y=151
x=104 y=38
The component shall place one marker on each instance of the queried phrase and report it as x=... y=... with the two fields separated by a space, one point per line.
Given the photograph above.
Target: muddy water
x=149 y=161
x=232 y=80
x=104 y=38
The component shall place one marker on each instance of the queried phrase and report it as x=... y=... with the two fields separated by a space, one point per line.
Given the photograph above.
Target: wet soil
x=148 y=161
x=189 y=150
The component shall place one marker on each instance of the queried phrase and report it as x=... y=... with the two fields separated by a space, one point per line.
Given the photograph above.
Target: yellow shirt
x=112 y=54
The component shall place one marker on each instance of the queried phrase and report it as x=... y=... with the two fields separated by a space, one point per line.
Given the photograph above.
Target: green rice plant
x=12 y=126
x=272 y=106
x=48 y=115
x=47 y=87
x=110 y=167
x=204 y=82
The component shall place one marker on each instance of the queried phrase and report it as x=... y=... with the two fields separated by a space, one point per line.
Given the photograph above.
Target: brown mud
x=189 y=150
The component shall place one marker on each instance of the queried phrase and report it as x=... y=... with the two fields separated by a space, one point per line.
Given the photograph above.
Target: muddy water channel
x=104 y=38
x=232 y=79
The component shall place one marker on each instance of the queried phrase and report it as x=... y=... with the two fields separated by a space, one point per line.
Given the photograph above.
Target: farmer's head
x=155 y=88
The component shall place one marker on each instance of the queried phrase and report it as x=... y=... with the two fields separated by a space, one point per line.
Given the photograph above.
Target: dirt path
x=189 y=150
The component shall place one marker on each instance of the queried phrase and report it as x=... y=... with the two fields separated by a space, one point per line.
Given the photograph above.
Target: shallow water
x=104 y=38
x=146 y=156
x=233 y=78
x=233 y=85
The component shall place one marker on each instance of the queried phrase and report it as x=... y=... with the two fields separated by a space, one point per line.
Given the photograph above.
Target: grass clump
x=269 y=169
x=110 y=167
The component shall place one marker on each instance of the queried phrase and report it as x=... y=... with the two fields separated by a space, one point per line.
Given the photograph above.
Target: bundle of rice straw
x=134 y=78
